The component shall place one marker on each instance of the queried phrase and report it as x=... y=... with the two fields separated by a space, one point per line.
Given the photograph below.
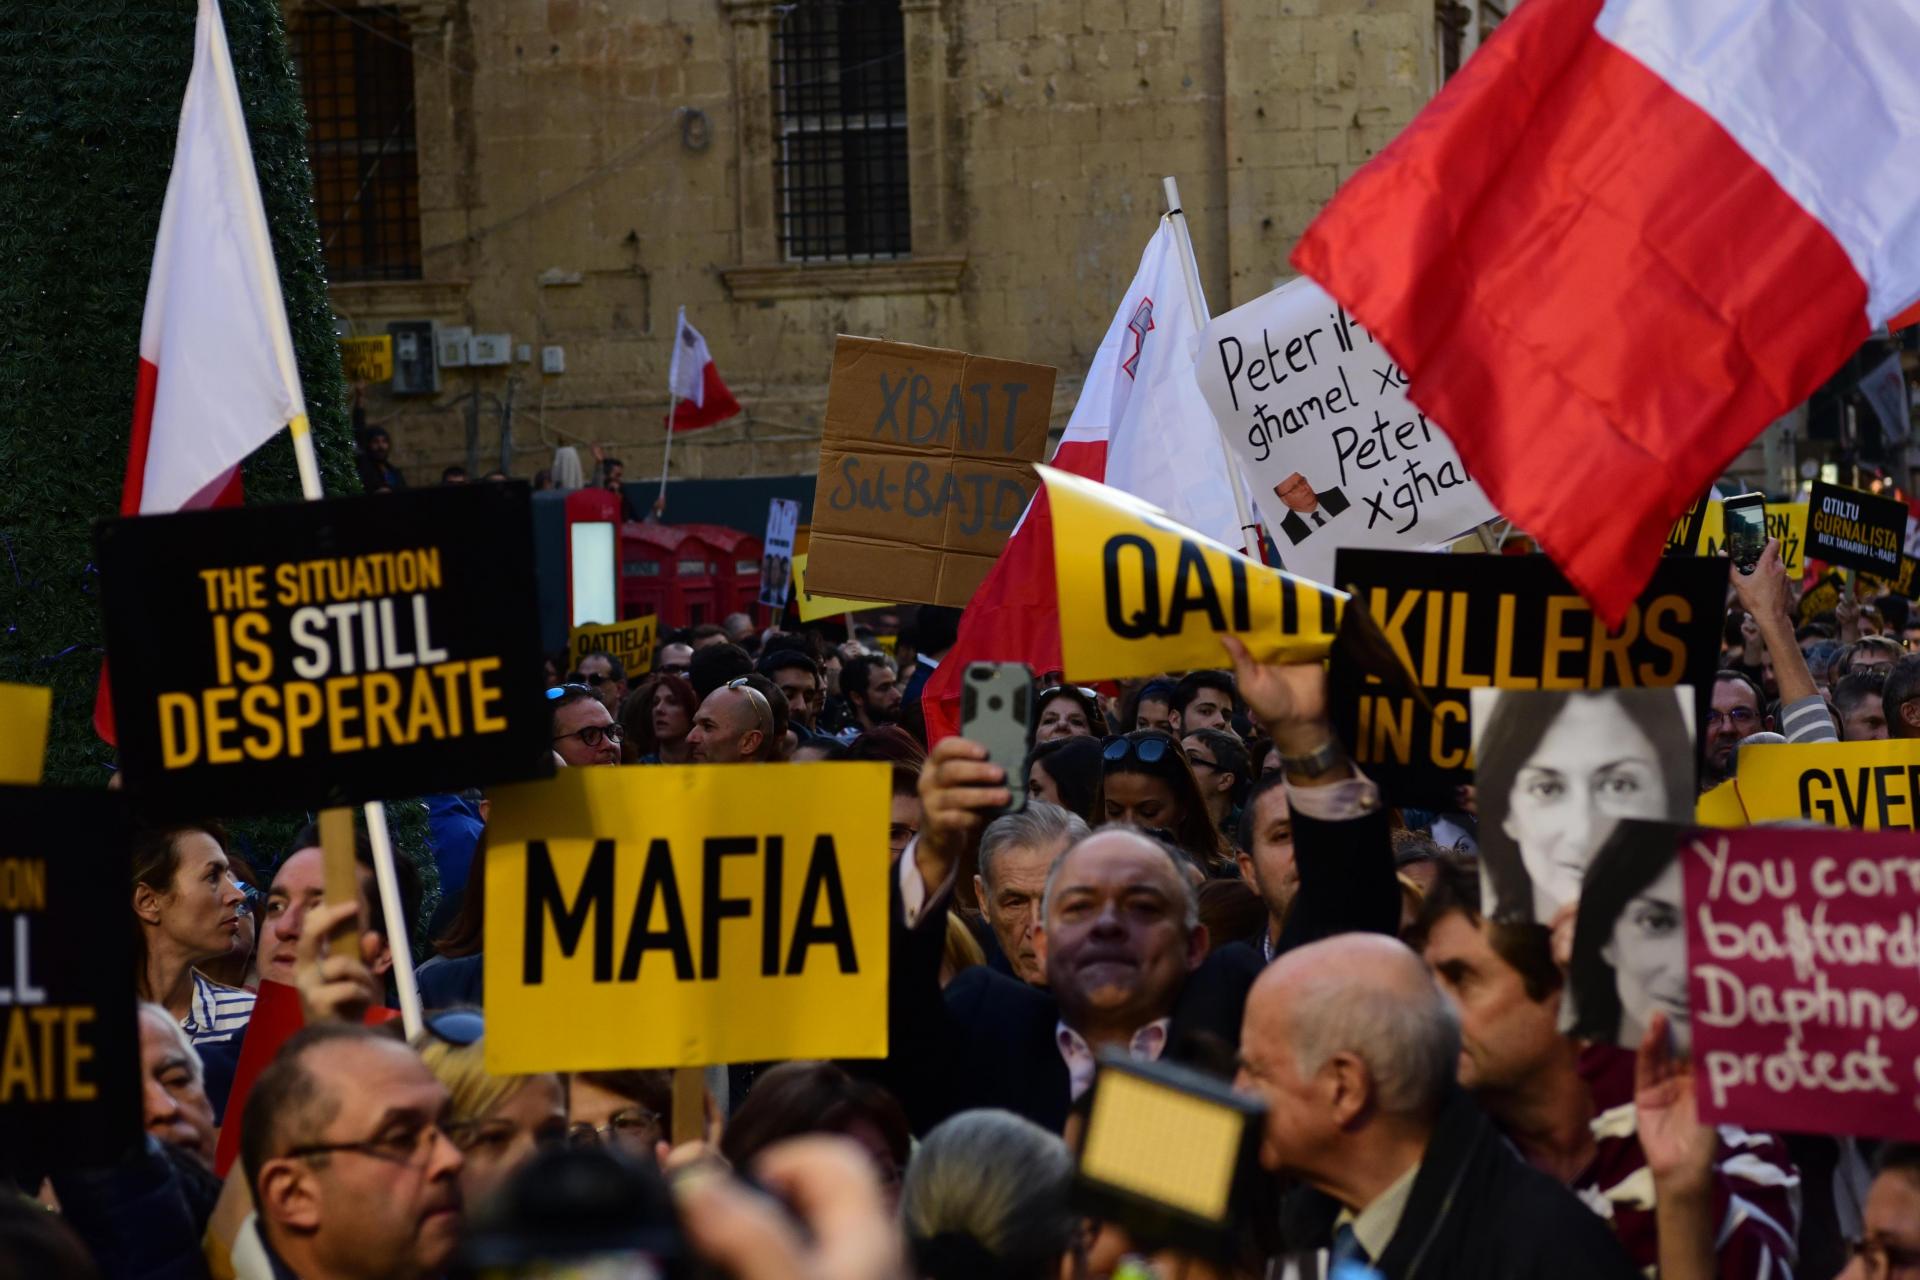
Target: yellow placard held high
x=814 y=607
x=1872 y=786
x=631 y=641
x=367 y=359
x=24 y=711
x=687 y=915
x=1140 y=594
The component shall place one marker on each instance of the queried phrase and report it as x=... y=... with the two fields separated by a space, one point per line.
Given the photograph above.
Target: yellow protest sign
x=1872 y=786
x=631 y=641
x=687 y=915
x=1786 y=521
x=813 y=607
x=367 y=359
x=1720 y=807
x=1140 y=594
x=24 y=710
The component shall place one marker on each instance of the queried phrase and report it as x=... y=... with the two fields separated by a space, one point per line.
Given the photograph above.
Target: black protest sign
x=1461 y=622
x=326 y=653
x=69 y=1043
x=1857 y=529
x=1684 y=538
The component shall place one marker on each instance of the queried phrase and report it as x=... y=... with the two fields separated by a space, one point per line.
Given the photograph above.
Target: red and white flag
x=700 y=398
x=1140 y=425
x=1627 y=236
x=217 y=375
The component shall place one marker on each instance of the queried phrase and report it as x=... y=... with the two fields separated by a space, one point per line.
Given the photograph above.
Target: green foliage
x=90 y=94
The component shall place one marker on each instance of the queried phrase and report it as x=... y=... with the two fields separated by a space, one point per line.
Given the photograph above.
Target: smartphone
x=996 y=711
x=1745 y=519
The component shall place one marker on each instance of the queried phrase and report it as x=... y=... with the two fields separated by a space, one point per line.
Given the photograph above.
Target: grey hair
x=179 y=1033
x=1189 y=898
x=1410 y=1040
x=998 y=1179
x=1035 y=827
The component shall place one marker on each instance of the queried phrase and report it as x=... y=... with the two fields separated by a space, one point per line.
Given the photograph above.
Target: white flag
x=686 y=375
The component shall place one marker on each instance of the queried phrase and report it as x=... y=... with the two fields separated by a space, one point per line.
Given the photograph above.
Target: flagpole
x=660 y=501
x=1196 y=298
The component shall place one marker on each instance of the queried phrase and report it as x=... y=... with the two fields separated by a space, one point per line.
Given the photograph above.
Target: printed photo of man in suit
x=1306 y=510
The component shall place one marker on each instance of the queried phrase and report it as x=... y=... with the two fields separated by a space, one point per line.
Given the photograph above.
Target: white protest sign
x=1337 y=455
x=776 y=561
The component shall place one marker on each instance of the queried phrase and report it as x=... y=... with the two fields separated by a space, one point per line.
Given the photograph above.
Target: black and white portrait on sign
x=1630 y=938
x=1556 y=769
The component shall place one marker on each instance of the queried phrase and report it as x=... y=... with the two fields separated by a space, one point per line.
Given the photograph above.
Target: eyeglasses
x=1201 y=762
x=408 y=1146
x=1881 y=1259
x=251 y=899
x=560 y=691
x=1050 y=690
x=1739 y=717
x=593 y=733
x=674 y=669
x=632 y=1127
x=456 y=1026
x=1146 y=750
x=597 y=679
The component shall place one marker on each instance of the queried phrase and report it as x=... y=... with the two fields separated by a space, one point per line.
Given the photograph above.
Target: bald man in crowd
x=734 y=723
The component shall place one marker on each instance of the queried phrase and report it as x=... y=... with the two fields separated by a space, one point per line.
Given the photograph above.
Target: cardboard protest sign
x=25 y=710
x=1318 y=415
x=1629 y=937
x=744 y=911
x=776 y=562
x=1804 y=948
x=814 y=607
x=69 y=1044
x=1869 y=785
x=923 y=469
x=1506 y=622
x=1901 y=583
x=367 y=359
x=1140 y=594
x=1822 y=597
x=1555 y=769
x=1786 y=522
x=1857 y=529
x=326 y=653
x=631 y=641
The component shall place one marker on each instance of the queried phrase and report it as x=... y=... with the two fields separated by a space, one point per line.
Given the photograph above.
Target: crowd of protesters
x=1201 y=875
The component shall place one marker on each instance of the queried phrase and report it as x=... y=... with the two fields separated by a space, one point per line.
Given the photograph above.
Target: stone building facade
x=979 y=174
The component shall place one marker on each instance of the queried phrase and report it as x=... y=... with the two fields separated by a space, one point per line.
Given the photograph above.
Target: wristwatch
x=1321 y=759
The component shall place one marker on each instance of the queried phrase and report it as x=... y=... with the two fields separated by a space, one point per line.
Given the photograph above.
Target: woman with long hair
x=1147 y=783
x=656 y=718
x=1066 y=772
x=1630 y=939
x=186 y=910
x=1555 y=769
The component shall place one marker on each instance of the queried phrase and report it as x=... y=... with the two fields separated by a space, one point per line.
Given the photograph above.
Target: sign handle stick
x=689 y=1104
x=392 y=910
x=1249 y=528
x=666 y=456
x=340 y=875
x=1488 y=542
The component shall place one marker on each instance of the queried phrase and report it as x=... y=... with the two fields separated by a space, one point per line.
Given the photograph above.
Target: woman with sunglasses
x=187 y=910
x=498 y=1122
x=1149 y=784
x=1068 y=711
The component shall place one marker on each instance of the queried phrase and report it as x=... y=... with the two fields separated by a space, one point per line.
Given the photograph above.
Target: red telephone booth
x=593 y=582
x=647 y=562
x=737 y=566
x=696 y=594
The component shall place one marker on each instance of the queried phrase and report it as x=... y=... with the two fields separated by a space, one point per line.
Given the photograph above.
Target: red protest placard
x=1804 y=947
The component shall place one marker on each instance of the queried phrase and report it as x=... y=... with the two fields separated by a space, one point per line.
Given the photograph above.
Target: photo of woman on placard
x=1630 y=939
x=1556 y=769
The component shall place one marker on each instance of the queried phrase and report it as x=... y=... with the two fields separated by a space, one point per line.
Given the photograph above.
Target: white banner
x=1318 y=415
x=776 y=556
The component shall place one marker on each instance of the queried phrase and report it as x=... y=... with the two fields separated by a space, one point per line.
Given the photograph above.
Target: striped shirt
x=1756 y=1193
x=218 y=1013
x=1807 y=720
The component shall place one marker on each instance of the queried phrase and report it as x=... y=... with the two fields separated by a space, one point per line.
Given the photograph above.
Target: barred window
x=356 y=75
x=840 y=121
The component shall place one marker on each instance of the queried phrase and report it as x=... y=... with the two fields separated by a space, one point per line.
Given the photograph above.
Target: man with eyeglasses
x=675 y=659
x=606 y=675
x=583 y=730
x=346 y=1151
x=734 y=723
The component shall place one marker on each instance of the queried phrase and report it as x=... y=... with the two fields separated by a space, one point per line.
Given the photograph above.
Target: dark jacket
x=142 y=1219
x=459 y=981
x=1478 y=1212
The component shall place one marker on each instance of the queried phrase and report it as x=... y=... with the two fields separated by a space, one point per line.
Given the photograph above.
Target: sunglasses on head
x=1146 y=750
x=560 y=691
x=456 y=1026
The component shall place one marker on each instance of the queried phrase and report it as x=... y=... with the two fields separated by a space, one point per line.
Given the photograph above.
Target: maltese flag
x=217 y=375
x=700 y=398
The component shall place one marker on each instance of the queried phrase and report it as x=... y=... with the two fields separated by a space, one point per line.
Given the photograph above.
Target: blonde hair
x=473 y=1090
x=960 y=951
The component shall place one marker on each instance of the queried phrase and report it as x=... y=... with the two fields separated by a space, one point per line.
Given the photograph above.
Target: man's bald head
x=1117 y=836
x=1370 y=996
x=732 y=724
